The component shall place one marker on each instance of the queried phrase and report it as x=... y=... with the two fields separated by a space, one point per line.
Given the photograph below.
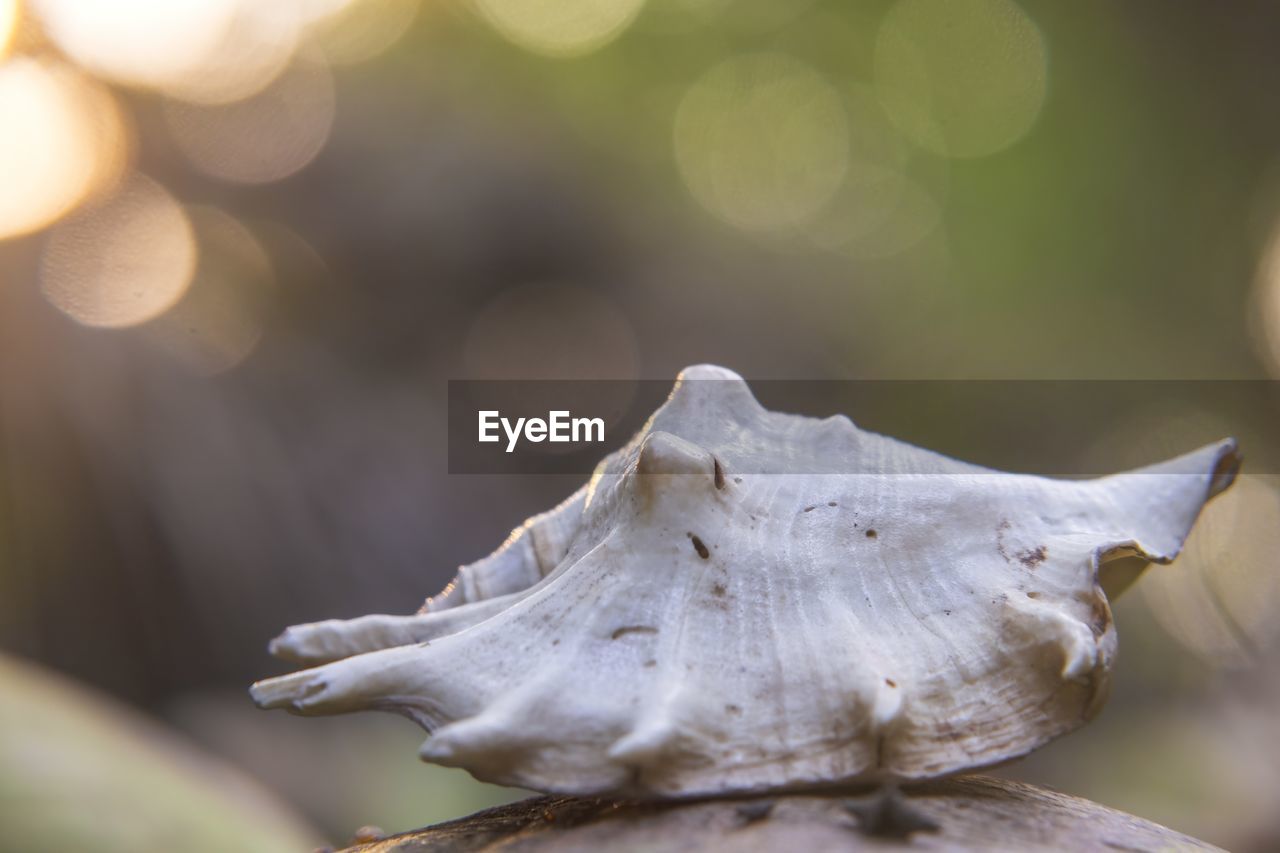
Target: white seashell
x=696 y=620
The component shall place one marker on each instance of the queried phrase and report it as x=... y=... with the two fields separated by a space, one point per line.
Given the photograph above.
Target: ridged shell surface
x=707 y=616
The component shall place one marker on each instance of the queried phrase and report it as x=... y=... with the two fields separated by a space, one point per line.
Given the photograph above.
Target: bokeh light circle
x=360 y=31
x=1265 y=313
x=257 y=42
x=221 y=316
x=962 y=78
x=62 y=140
x=141 y=42
x=559 y=27
x=762 y=141
x=10 y=14
x=123 y=261
x=1220 y=597
x=264 y=138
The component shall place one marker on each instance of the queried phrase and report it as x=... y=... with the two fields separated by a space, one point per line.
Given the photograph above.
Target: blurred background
x=243 y=245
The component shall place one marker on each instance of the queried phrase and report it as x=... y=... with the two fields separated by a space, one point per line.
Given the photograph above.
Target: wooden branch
x=970 y=813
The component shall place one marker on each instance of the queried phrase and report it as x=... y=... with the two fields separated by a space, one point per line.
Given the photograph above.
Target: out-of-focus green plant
x=79 y=772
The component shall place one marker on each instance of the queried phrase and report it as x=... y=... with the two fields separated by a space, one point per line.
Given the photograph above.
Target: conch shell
x=697 y=620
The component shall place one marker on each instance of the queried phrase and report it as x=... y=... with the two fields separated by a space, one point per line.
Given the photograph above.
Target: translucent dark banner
x=1062 y=428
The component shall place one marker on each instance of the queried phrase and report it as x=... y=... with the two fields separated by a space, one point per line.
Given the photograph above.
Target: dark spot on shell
x=1030 y=558
x=699 y=547
x=1000 y=529
x=949 y=731
x=737 y=479
x=718 y=474
x=871 y=534
x=556 y=641
x=632 y=629
x=1033 y=594
x=755 y=811
x=810 y=508
x=649 y=664
x=891 y=682
x=886 y=814
x=832 y=503
x=718 y=589
x=733 y=709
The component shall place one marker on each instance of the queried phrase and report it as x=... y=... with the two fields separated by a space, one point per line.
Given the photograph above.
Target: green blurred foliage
x=80 y=772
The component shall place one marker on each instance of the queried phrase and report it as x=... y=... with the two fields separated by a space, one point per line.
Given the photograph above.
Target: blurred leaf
x=79 y=772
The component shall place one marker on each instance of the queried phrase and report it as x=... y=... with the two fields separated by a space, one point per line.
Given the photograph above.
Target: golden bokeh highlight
x=1265 y=316
x=137 y=42
x=123 y=261
x=762 y=142
x=961 y=78
x=559 y=28
x=213 y=51
x=221 y=316
x=10 y=15
x=63 y=140
x=1220 y=597
x=256 y=44
x=361 y=31
x=265 y=138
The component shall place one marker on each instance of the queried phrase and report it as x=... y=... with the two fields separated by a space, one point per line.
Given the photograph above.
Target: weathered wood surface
x=971 y=813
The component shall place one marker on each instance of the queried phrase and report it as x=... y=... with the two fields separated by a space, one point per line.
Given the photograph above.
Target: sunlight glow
x=10 y=15
x=255 y=46
x=141 y=42
x=203 y=51
x=62 y=141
